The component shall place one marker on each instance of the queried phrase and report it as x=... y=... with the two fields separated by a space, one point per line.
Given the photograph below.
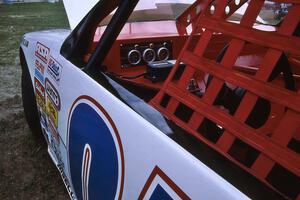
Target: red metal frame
x=272 y=148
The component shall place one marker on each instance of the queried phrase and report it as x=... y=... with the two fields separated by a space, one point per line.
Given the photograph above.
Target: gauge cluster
x=145 y=53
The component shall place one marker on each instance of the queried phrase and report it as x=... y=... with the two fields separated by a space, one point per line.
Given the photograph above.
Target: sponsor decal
x=42 y=52
x=39 y=76
x=66 y=181
x=52 y=112
x=54 y=132
x=95 y=152
x=52 y=94
x=54 y=69
x=160 y=186
x=44 y=120
x=39 y=66
x=40 y=102
x=39 y=94
x=24 y=42
x=55 y=148
x=39 y=88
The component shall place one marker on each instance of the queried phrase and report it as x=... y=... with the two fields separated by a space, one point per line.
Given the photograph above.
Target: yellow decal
x=52 y=112
x=41 y=102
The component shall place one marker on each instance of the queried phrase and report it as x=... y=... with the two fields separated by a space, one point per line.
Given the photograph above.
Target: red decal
x=42 y=52
x=40 y=90
x=39 y=66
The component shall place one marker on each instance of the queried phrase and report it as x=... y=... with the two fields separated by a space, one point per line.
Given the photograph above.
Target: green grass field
x=26 y=171
x=15 y=20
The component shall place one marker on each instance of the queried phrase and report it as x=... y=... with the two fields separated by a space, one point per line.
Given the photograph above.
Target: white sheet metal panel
x=77 y=9
x=145 y=147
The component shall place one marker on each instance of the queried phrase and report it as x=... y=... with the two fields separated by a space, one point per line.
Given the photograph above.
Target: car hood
x=53 y=35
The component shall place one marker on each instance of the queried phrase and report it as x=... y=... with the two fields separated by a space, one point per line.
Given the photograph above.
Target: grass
x=15 y=21
x=26 y=171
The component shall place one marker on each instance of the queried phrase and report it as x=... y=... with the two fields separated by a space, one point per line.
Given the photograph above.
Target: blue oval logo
x=96 y=160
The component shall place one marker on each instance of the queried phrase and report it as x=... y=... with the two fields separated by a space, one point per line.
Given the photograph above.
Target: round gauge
x=163 y=53
x=134 y=57
x=149 y=55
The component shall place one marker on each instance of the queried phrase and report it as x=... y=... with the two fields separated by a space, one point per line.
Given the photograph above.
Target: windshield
x=156 y=10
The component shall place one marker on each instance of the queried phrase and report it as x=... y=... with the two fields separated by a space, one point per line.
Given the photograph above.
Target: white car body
x=146 y=159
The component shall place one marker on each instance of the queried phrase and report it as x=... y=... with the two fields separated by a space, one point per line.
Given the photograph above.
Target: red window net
x=246 y=92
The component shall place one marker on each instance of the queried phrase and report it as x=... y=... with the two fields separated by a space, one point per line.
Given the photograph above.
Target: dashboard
x=141 y=44
x=135 y=54
x=130 y=57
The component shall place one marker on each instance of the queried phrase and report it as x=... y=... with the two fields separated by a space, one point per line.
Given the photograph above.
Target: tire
x=29 y=102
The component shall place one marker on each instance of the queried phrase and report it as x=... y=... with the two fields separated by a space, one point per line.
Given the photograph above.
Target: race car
x=168 y=99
